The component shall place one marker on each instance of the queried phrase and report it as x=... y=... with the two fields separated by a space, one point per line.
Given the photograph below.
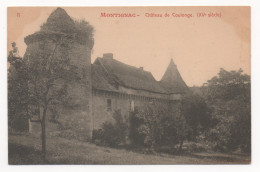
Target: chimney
x=141 y=68
x=108 y=56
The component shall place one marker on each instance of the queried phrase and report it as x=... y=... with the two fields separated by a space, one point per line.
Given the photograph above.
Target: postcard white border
x=255 y=61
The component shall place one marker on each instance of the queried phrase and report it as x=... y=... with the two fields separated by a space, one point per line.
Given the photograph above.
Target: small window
x=109 y=105
x=132 y=106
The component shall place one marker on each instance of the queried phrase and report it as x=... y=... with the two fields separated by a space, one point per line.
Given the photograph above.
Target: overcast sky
x=198 y=46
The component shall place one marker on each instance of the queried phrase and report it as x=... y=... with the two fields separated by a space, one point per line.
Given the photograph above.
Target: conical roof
x=172 y=80
x=59 y=21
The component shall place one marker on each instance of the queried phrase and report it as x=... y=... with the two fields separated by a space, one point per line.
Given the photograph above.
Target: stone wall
x=143 y=93
x=78 y=118
x=103 y=113
x=124 y=102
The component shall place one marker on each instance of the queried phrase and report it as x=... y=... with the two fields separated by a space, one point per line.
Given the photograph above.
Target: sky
x=199 y=46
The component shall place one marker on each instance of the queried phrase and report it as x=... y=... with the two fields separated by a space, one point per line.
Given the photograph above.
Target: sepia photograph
x=125 y=85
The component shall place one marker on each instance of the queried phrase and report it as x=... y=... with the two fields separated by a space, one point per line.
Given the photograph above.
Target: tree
x=227 y=86
x=135 y=122
x=156 y=125
x=229 y=96
x=49 y=72
x=194 y=117
x=17 y=93
x=161 y=126
x=48 y=69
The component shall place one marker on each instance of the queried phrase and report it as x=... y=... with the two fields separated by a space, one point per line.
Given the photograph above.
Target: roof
x=100 y=79
x=172 y=80
x=60 y=24
x=59 y=21
x=127 y=76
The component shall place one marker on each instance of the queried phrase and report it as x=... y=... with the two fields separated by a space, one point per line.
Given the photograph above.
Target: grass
x=26 y=149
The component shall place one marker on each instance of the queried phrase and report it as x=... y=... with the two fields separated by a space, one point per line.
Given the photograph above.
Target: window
x=109 y=105
x=132 y=105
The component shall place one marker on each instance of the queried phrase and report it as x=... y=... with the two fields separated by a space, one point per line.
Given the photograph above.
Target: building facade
x=107 y=84
x=118 y=86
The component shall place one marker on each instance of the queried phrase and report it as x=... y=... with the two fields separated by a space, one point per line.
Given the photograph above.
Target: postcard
x=129 y=85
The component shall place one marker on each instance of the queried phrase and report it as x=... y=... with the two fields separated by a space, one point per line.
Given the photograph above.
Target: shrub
x=156 y=126
x=111 y=134
x=136 y=138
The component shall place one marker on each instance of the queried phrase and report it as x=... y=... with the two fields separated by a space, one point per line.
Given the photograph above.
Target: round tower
x=61 y=35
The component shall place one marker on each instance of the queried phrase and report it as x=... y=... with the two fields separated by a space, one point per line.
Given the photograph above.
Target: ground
x=26 y=149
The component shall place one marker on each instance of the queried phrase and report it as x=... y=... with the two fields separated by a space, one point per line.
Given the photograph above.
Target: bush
x=195 y=147
x=111 y=134
x=156 y=126
x=136 y=138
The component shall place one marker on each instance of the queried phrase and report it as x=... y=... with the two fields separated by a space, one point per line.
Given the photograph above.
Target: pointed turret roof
x=60 y=24
x=172 y=80
x=59 y=21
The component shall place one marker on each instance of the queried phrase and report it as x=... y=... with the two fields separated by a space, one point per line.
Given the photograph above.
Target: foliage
x=46 y=71
x=155 y=125
x=49 y=72
x=84 y=33
x=193 y=119
x=229 y=95
x=60 y=22
x=227 y=86
x=17 y=93
x=196 y=113
x=112 y=133
x=135 y=136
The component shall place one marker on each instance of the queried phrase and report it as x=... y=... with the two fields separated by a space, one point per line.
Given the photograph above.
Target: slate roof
x=172 y=80
x=115 y=72
x=129 y=76
x=100 y=79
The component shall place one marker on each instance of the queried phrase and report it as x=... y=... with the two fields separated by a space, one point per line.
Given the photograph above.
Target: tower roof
x=60 y=24
x=59 y=21
x=172 y=80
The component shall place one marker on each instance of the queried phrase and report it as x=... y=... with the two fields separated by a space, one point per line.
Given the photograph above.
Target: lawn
x=25 y=149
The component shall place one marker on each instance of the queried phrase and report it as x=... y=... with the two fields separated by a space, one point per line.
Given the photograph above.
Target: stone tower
x=175 y=86
x=59 y=29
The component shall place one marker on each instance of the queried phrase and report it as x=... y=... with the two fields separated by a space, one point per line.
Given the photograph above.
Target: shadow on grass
x=27 y=155
x=216 y=158
x=23 y=155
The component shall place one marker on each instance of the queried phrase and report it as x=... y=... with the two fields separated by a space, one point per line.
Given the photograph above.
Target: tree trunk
x=43 y=134
x=181 y=143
